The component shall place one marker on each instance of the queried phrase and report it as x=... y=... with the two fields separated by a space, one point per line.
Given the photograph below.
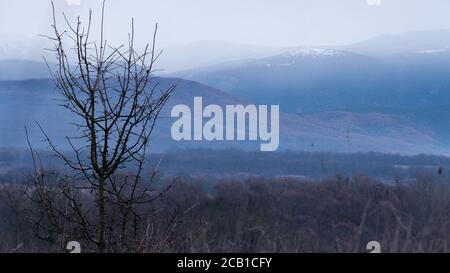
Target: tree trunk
x=101 y=215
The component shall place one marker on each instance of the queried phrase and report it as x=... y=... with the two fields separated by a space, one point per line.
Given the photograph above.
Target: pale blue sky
x=263 y=22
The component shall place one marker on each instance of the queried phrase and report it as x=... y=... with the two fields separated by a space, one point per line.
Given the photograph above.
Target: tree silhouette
x=115 y=108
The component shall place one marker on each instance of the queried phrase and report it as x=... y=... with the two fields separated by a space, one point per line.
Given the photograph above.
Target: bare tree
x=106 y=200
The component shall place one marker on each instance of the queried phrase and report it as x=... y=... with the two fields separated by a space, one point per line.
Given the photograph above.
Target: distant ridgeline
x=28 y=101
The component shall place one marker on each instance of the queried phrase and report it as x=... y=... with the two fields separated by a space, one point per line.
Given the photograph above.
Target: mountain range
x=29 y=101
x=368 y=96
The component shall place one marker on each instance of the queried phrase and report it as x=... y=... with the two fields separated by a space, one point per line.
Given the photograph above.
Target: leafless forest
x=339 y=214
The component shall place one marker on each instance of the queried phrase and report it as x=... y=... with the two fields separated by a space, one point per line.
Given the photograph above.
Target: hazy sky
x=264 y=22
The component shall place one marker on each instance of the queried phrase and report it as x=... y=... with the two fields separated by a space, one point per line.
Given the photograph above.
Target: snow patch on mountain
x=314 y=52
x=433 y=51
x=295 y=56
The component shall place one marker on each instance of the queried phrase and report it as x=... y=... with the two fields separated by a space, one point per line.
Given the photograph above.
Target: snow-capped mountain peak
x=314 y=52
x=296 y=56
